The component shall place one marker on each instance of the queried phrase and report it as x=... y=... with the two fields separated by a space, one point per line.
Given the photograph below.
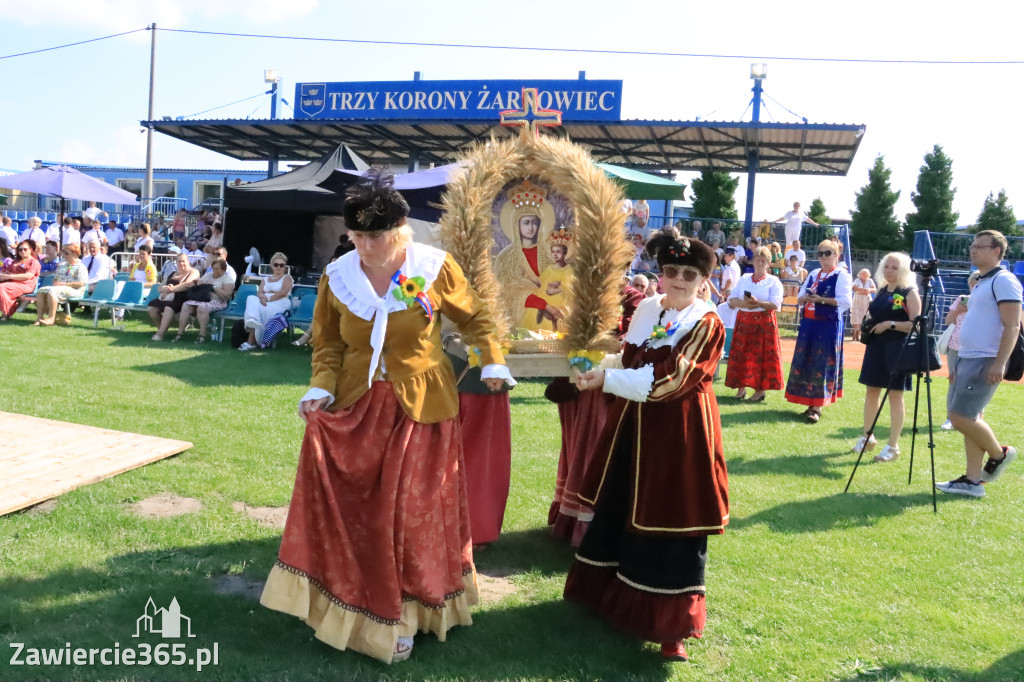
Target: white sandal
x=888 y=454
x=403 y=649
x=860 y=444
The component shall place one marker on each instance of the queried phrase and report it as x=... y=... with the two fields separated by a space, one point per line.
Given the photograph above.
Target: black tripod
x=920 y=328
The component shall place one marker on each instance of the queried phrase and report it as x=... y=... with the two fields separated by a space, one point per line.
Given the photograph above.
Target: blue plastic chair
x=1018 y=267
x=100 y=296
x=131 y=294
x=235 y=309
x=303 y=316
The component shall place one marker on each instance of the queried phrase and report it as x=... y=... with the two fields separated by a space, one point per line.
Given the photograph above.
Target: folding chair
x=131 y=294
x=235 y=309
x=101 y=295
x=303 y=315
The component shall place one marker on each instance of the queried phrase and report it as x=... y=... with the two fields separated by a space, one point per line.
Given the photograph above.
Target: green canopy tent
x=640 y=185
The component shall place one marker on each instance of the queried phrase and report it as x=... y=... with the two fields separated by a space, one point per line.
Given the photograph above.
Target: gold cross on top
x=531 y=116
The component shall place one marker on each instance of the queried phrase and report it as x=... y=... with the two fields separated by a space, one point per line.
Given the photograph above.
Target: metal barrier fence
x=951 y=248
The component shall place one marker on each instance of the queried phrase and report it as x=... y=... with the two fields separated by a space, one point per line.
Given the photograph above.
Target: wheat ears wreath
x=602 y=252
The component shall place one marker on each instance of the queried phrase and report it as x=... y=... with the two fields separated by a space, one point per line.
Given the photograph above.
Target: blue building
x=175 y=187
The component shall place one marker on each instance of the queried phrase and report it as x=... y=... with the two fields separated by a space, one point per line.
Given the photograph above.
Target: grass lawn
x=807 y=583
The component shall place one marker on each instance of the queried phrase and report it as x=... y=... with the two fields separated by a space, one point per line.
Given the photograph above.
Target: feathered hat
x=668 y=250
x=373 y=204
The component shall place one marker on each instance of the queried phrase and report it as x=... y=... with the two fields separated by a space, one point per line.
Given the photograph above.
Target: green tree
x=817 y=212
x=873 y=223
x=997 y=214
x=714 y=195
x=934 y=196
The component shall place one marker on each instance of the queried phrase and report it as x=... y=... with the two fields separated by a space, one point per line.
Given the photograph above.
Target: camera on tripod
x=927 y=268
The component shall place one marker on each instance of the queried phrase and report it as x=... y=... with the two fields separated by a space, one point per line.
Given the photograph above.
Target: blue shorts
x=970 y=392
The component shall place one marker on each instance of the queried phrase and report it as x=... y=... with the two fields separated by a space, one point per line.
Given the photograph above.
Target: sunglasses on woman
x=825 y=253
x=278 y=265
x=674 y=271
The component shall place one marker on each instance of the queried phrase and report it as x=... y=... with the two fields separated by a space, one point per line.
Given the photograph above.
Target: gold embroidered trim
x=685 y=363
x=659 y=590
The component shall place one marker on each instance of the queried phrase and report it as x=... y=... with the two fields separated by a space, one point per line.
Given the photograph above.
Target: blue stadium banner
x=578 y=100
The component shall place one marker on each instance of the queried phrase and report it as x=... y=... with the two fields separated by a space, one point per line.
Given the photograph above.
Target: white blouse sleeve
x=631 y=384
x=775 y=293
x=844 y=291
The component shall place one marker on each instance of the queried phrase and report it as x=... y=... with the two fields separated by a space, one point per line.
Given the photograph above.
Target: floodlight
x=758 y=71
x=270 y=76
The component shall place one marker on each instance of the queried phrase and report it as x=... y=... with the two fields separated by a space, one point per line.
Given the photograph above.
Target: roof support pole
x=753 y=162
x=147 y=183
x=414 y=160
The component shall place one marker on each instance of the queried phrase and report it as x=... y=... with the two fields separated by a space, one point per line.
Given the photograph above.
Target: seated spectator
x=715 y=234
x=8 y=235
x=142 y=269
x=793 y=277
x=171 y=264
x=652 y=285
x=638 y=264
x=173 y=294
x=115 y=237
x=51 y=258
x=144 y=238
x=223 y=287
x=6 y=252
x=271 y=299
x=69 y=284
x=195 y=256
x=778 y=259
x=695 y=230
x=97 y=265
x=216 y=240
x=222 y=253
x=18 y=278
x=33 y=232
x=73 y=233
x=93 y=234
x=795 y=250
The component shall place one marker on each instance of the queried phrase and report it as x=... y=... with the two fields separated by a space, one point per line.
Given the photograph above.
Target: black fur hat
x=668 y=250
x=373 y=204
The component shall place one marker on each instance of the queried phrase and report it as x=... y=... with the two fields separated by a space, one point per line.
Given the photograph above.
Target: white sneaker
x=860 y=444
x=962 y=486
x=995 y=468
x=246 y=346
x=888 y=454
x=947 y=425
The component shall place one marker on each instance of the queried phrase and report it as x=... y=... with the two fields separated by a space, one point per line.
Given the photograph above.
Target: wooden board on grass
x=42 y=458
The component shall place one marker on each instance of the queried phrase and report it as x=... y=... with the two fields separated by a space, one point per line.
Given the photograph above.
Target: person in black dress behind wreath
x=891 y=316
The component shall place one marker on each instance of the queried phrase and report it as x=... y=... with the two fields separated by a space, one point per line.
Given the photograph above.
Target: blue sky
x=83 y=104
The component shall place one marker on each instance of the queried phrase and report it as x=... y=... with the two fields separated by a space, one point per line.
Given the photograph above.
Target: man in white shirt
x=795 y=250
x=96 y=264
x=115 y=237
x=987 y=338
x=34 y=233
x=53 y=231
x=72 y=233
x=93 y=234
x=794 y=222
x=195 y=256
x=222 y=253
x=8 y=234
x=92 y=213
x=730 y=273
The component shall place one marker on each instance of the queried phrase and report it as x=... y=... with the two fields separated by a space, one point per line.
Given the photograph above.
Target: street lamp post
x=758 y=72
x=270 y=76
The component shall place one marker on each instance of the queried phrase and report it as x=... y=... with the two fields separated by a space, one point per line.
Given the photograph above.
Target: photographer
x=890 y=319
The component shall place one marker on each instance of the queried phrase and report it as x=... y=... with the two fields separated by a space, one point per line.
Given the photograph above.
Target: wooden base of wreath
x=535 y=365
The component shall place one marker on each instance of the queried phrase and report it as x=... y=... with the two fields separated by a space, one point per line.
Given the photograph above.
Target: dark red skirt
x=582 y=421
x=486 y=422
x=755 y=360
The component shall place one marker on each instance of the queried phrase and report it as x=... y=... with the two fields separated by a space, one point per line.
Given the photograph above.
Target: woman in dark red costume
x=658 y=482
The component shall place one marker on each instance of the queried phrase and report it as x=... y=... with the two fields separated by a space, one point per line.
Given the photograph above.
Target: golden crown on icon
x=527 y=194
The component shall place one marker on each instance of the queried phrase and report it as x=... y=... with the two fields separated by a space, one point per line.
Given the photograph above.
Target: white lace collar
x=352 y=287
x=650 y=311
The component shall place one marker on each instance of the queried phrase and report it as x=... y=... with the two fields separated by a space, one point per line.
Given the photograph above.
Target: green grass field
x=807 y=583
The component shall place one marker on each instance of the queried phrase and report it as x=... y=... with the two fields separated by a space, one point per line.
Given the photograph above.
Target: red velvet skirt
x=377 y=542
x=755 y=359
x=582 y=421
x=486 y=422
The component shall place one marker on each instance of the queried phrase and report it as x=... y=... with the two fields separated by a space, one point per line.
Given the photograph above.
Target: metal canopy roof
x=800 y=148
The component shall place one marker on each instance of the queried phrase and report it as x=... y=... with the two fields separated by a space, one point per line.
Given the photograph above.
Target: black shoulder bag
x=1015 y=364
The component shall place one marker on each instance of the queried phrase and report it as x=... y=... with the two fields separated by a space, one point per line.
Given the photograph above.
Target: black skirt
x=881 y=356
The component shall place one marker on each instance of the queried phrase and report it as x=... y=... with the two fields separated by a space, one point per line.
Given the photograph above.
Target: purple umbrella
x=68 y=183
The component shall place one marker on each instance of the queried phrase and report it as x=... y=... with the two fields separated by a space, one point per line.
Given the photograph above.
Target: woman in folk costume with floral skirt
x=377 y=544
x=658 y=482
x=755 y=359
x=816 y=375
